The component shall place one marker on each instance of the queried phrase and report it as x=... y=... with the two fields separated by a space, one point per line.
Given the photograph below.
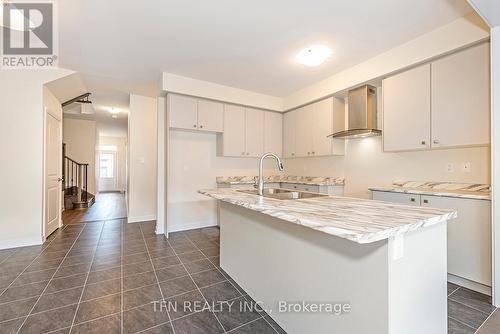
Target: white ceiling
x=123 y=46
x=489 y=10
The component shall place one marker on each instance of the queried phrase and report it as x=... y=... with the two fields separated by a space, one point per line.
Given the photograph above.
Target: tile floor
x=102 y=277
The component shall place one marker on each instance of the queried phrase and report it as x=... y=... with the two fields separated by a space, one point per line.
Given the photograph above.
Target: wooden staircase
x=75 y=180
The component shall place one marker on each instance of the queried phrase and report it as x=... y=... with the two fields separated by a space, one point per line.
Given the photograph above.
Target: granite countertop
x=310 y=180
x=444 y=189
x=358 y=220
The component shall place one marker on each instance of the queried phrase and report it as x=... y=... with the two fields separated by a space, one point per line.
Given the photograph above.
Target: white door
x=107 y=171
x=461 y=98
x=254 y=132
x=183 y=112
x=53 y=174
x=234 y=131
x=210 y=116
x=407 y=110
x=273 y=132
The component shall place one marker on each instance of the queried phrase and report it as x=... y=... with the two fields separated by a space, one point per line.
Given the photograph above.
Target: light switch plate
x=450 y=167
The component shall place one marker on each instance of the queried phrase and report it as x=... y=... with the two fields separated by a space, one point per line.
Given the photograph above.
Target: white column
x=161 y=221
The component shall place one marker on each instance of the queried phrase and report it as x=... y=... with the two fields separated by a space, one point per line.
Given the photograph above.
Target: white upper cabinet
x=233 y=143
x=183 y=112
x=195 y=114
x=210 y=116
x=304 y=131
x=406 y=114
x=273 y=132
x=254 y=132
x=289 y=128
x=461 y=98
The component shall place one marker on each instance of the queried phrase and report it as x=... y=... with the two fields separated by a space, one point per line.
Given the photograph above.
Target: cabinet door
x=406 y=113
x=461 y=98
x=233 y=140
x=304 y=132
x=254 y=133
x=322 y=126
x=210 y=116
x=469 y=237
x=408 y=199
x=289 y=128
x=339 y=112
x=273 y=132
x=183 y=112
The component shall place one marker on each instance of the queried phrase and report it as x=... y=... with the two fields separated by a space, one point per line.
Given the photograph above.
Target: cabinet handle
x=201 y=126
x=248 y=153
x=422 y=142
x=293 y=154
x=295 y=187
x=426 y=201
x=412 y=199
x=242 y=153
x=313 y=152
x=194 y=126
x=308 y=153
x=435 y=141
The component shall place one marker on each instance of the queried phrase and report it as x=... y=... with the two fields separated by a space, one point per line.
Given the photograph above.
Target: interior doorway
x=107 y=169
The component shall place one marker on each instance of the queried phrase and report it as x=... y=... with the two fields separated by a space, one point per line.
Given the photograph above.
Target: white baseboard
x=5 y=244
x=184 y=227
x=469 y=284
x=140 y=219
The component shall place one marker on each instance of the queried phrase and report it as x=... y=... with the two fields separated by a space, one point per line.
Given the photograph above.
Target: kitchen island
x=382 y=265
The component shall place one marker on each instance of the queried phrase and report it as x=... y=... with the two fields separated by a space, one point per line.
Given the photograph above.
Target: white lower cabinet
x=469 y=235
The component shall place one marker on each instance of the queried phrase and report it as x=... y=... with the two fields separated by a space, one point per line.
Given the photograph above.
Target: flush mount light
x=314 y=55
x=114 y=111
x=114 y=116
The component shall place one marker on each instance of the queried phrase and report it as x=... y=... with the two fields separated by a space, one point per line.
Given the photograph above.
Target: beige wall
x=142 y=194
x=121 y=159
x=194 y=165
x=80 y=138
x=21 y=144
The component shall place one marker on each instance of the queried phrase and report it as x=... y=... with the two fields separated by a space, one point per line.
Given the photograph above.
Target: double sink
x=283 y=194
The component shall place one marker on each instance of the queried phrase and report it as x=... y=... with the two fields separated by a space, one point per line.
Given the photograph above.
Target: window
x=107 y=148
x=106 y=163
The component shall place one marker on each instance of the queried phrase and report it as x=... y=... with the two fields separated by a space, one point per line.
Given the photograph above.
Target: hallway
x=107 y=206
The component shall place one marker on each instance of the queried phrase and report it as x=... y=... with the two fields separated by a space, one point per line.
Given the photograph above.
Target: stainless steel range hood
x=361 y=114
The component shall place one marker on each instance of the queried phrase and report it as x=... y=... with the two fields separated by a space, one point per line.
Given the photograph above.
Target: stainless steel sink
x=283 y=194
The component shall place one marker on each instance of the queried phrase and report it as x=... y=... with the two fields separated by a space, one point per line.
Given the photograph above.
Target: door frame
x=115 y=170
x=44 y=171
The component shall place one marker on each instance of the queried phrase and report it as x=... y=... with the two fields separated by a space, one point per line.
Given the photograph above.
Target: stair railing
x=75 y=178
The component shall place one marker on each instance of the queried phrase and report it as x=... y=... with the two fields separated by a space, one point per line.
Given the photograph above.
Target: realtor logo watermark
x=29 y=38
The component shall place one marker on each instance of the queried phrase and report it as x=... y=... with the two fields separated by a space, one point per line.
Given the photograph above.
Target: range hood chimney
x=361 y=114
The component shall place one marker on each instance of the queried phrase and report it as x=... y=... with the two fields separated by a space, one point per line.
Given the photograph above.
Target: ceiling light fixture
x=114 y=116
x=114 y=111
x=314 y=55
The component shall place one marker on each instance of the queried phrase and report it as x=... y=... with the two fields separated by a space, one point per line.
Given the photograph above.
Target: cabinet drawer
x=408 y=199
x=303 y=187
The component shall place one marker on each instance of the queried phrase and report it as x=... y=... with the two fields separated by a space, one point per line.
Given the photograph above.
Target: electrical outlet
x=466 y=167
x=450 y=167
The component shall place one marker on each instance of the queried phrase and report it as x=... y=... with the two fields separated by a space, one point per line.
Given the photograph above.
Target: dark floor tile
x=108 y=325
x=66 y=283
x=33 y=277
x=43 y=265
x=97 y=308
x=210 y=252
x=11 y=326
x=49 y=321
x=141 y=296
x=185 y=248
x=236 y=313
x=465 y=314
x=101 y=289
x=184 y=304
x=23 y=291
x=16 y=309
x=198 y=323
x=220 y=292
x=137 y=268
x=139 y=280
x=49 y=301
x=215 y=260
x=161 y=253
x=105 y=265
x=260 y=326
x=208 y=278
x=6 y=279
x=273 y=324
x=177 y=286
x=171 y=272
x=163 y=262
x=74 y=260
x=452 y=287
x=72 y=270
x=103 y=275
x=191 y=256
x=473 y=299
x=236 y=285
x=135 y=258
x=197 y=266
x=144 y=317
x=456 y=327
x=162 y=329
x=492 y=325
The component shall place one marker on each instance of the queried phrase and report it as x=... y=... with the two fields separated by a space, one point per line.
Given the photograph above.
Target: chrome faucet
x=261 y=170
